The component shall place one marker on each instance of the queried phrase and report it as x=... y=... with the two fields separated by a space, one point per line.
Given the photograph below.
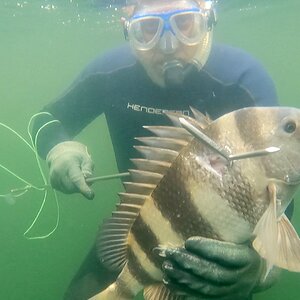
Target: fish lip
x=295 y=182
x=296 y=174
x=289 y=182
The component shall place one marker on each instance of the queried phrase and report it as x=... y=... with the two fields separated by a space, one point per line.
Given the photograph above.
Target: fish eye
x=290 y=127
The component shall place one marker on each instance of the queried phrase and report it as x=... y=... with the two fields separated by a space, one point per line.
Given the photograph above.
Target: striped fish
x=188 y=185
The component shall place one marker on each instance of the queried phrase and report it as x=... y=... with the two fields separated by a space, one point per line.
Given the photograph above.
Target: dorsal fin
x=159 y=152
x=170 y=132
x=145 y=177
x=139 y=188
x=162 y=142
x=200 y=117
x=201 y=123
x=112 y=242
x=132 y=199
x=151 y=165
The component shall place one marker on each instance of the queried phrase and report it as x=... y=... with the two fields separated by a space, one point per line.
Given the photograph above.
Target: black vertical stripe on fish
x=136 y=269
x=202 y=195
x=248 y=125
x=175 y=204
x=236 y=189
x=146 y=239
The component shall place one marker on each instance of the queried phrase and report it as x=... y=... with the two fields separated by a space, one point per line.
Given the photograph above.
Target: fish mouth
x=292 y=182
x=292 y=179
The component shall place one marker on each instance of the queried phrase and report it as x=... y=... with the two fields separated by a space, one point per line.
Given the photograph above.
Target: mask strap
x=211 y=15
x=125 y=28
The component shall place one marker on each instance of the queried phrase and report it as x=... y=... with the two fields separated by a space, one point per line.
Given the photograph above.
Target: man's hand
x=211 y=269
x=69 y=166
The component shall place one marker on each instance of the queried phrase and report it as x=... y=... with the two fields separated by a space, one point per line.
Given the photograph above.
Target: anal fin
x=160 y=292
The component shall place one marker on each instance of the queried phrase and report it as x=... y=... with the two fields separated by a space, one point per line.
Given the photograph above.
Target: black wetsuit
x=117 y=85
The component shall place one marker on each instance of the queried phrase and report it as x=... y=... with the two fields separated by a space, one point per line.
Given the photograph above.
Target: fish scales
x=146 y=238
x=238 y=189
x=184 y=215
x=138 y=268
x=148 y=229
x=181 y=215
x=174 y=201
x=189 y=189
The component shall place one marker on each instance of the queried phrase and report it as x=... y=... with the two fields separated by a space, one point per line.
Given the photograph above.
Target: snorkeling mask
x=146 y=30
x=166 y=27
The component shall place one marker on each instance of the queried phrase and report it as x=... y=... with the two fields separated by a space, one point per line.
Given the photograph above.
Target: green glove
x=211 y=269
x=69 y=165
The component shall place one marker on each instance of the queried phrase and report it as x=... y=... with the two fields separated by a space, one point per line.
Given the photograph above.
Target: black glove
x=212 y=269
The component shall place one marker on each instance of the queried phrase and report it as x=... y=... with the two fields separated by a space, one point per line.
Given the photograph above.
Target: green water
x=44 y=44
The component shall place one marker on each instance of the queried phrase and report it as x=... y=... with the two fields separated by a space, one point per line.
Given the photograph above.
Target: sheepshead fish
x=216 y=184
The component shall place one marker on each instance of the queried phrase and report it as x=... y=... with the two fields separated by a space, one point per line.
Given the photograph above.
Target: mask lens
x=145 y=32
x=189 y=27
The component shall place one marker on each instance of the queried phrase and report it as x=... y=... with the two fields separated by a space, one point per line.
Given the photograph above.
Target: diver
x=170 y=63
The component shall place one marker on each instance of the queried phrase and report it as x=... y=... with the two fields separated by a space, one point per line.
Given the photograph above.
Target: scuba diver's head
x=170 y=37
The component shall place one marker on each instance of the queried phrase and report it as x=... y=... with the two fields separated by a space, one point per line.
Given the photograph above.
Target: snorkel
x=176 y=71
x=181 y=51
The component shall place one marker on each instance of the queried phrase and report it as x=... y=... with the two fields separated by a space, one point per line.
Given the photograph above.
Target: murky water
x=44 y=44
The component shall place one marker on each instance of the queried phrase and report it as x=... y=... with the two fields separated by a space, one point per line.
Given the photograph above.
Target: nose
x=168 y=42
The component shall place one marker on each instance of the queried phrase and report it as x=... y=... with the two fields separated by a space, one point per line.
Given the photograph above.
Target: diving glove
x=69 y=165
x=212 y=269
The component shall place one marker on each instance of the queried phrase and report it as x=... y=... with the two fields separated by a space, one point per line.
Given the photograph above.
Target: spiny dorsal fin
x=160 y=292
x=174 y=117
x=151 y=165
x=170 y=132
x=145 y=176
x=132 y=199
x=157 y=153
x=162 y=142
x=139 y=188
x=204 y=120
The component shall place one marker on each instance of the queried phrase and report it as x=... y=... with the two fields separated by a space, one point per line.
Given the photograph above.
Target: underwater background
x=43 y=46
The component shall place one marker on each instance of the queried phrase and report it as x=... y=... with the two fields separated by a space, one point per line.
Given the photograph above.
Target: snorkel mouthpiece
x=175 y=73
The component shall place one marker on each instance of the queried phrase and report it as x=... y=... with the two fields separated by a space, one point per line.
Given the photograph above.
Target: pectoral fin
x=276 y=240
x=266 y=231
x=288 y=246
